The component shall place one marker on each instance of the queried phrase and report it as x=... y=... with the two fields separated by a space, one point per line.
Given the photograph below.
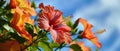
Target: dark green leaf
x=9 y=15
x=33 y=4
x=74 y=30
x=74 y=26
x=1 y=29
x=3 y=21
x=17 y=37
x=1 y=11
x=75 y=47
x=2 y=2
x=30 y=29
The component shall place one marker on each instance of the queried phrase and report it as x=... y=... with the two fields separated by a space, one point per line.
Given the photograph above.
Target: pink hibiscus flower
x=52 y=21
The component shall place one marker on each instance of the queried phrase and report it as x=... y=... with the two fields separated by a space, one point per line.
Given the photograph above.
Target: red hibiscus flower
x=52 y=21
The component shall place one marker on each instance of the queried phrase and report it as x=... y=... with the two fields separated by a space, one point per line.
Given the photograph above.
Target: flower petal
x=43 y=21
x=57 y=35
x=95 y=41
x=18 y=24
x=63 y=27
x=47 y=9
x=67 y=37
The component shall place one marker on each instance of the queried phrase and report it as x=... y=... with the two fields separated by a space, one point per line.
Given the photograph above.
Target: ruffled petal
x=67 y=37
x=43 y=21
x=57 y=35
x=47 y=9
x=63 y=27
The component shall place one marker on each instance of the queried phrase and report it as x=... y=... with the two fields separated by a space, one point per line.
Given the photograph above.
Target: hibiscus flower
x=87 y=33
x=52 y=21
x=22 y=11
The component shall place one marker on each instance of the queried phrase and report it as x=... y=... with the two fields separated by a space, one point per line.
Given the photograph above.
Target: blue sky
x=103 y=14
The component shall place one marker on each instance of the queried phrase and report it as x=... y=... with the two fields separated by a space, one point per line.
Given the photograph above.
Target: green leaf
x=8 y=28
x=74 y=30
x=75 y=47
x=68 y=21
x=29 y=28
x=33 y=4
x=97 y=49
x=1 y=29
x=17 y=37
x=45 y=46
x=2 y=2
x=79 y=36
x=80 y=32
x=32 y=48
x=54 y=45
x=1 y=11
x=44 y=36
x=9 y=15
x=74 y=26
x=3 y=21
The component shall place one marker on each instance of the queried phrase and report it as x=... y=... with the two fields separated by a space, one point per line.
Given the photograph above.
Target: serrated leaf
x=75 y=47
x=45 y=46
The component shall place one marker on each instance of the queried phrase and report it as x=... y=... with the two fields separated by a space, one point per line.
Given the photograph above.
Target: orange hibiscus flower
x=12 y=45
x=22 y=11
x=87 y=33
x=80 y=44
x=51 y=20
